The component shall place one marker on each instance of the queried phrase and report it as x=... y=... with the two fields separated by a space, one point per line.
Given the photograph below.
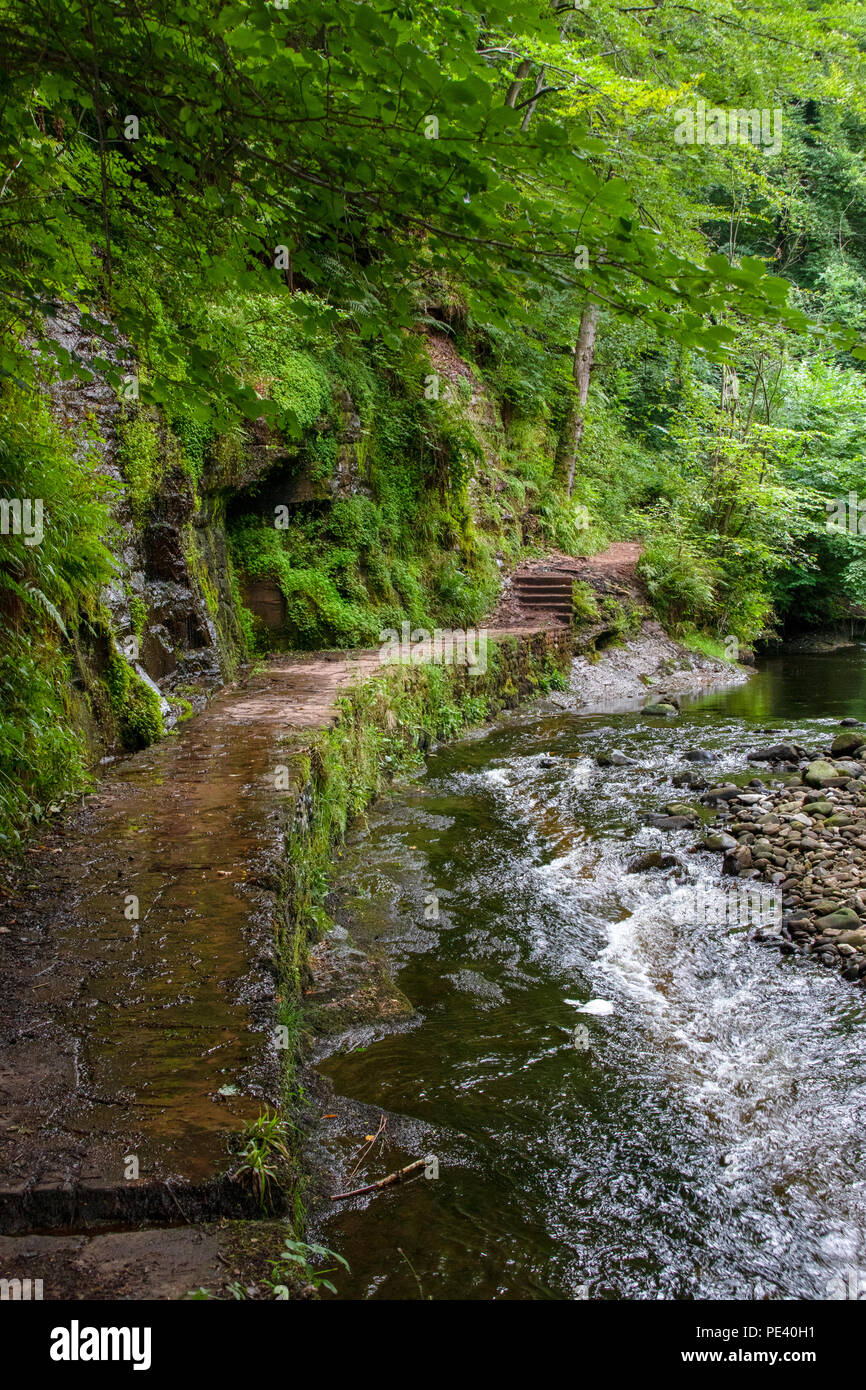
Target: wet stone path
x=137 y=965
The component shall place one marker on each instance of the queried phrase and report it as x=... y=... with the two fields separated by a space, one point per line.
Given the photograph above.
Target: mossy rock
x=848 y=742
x=843 y=919
x=820 y=773
x=137 y=706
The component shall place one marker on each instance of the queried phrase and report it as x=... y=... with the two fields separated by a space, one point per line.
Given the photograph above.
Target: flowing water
x=706 y=1138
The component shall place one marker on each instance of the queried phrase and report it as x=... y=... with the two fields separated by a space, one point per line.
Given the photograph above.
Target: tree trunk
x=514 y=90
x=572 y=430
x=571 y=433
x=539 y=83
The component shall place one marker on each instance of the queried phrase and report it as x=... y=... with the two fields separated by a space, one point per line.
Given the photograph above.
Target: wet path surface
x=137 y=965
x=705 y=1138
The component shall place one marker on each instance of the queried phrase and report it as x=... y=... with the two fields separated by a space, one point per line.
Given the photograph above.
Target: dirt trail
x=618 y=562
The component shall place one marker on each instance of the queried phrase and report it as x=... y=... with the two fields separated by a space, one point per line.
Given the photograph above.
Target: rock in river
x=775 y=753
x=654 y=859
x=719 y=840
x=847 y=743
x=695 y=780
x=724 y=793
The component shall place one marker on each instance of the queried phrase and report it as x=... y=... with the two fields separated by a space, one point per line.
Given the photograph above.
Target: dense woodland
x=260 y=219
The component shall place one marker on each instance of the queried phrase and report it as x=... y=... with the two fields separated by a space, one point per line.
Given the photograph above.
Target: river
x=704 y=1139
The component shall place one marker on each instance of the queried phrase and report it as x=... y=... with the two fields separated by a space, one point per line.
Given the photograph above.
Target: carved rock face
x=265 y=600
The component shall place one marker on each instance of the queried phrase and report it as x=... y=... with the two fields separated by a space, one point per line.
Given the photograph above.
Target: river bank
x=649 y=666
x=807 y=838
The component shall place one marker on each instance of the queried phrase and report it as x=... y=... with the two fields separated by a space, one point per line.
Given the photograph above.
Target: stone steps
x=550 y=591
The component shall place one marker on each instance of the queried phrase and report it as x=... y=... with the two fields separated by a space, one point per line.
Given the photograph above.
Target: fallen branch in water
x=383 y=1182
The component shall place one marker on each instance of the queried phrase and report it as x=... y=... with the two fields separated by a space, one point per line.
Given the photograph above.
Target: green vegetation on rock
x=136 y=705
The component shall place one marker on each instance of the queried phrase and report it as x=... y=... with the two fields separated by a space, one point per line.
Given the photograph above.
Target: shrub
x=680 y=581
